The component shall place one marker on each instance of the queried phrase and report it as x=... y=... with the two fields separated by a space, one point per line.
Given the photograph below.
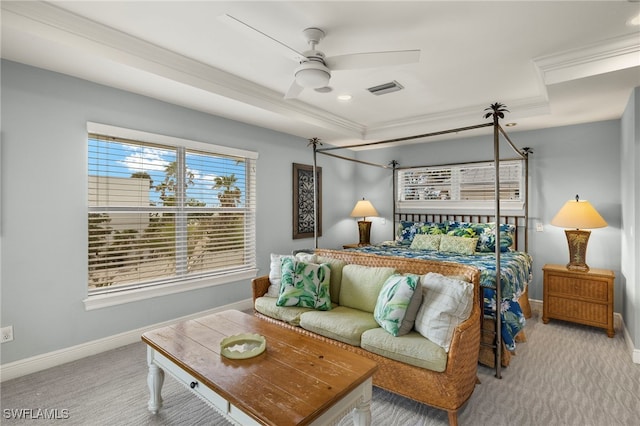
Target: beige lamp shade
x=578 y=214
x=363 y=209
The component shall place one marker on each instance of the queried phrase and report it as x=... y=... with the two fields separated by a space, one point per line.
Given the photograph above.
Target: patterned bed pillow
x=394 y=300
x=487 y=236
x=461 y=229
x=426 y=242
x=446 y=303
x=305 y=284
x=485 y=232
x=458 y=245
x=408 y=230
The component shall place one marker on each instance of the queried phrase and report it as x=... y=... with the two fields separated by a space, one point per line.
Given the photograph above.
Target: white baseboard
x=36 y=363
x=618 y=324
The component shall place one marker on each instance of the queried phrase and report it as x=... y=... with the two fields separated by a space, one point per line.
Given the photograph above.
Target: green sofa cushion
x=336 y=266
x=291 y=314
x=412 y=348
x=361 y=285
x=341 y=323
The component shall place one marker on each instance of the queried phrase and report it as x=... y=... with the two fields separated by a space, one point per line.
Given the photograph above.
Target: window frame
x=118 y=295
x=457 y=205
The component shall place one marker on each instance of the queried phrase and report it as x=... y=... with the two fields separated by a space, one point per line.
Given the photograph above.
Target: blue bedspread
x=515 y=267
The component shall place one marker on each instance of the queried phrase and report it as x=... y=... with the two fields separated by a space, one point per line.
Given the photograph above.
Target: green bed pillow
x=426 y=242
x=458 y=245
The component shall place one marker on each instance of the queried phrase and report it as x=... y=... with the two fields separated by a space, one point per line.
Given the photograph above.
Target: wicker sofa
x=447 y=390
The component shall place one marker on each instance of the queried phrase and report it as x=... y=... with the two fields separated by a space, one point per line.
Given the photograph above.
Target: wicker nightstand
x=580 y=297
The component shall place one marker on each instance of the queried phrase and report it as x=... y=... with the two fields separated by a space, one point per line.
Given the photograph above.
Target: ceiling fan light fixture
x=312 y=75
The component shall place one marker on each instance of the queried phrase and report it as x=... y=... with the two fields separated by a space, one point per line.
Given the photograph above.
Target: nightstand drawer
x=579 y=288
x=578 y=311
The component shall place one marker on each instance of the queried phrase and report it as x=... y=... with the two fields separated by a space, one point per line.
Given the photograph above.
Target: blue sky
x=122 y=160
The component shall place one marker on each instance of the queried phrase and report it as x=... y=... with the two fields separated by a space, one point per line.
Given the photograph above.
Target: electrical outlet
x=539 y=227
x=6 y=334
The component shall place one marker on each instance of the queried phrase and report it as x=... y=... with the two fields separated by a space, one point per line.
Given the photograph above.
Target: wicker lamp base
x=364 y=229
x=577 y=240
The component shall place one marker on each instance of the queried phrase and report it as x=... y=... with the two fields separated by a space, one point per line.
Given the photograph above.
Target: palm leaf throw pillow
x=396 y=307
x=305 y=284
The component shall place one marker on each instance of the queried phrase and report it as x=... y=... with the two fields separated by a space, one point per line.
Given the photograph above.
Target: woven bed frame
x=447 y=390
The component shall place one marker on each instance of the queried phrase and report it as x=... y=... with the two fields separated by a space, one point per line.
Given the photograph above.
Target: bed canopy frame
x=496 y=112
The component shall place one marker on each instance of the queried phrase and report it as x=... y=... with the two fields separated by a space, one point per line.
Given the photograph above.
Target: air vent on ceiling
x=393 y=86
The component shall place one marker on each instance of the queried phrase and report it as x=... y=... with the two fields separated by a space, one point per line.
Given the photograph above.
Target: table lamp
x=363 y=209
x=578 y=215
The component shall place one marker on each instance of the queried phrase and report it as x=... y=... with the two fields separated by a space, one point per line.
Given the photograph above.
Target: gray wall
x=43 y=215
x=43 y=209
x=630 y=193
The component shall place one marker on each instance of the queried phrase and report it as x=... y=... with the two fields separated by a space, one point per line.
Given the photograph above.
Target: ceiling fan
x=314 y=69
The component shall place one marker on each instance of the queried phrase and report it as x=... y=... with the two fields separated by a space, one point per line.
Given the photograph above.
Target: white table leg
x=155 y=379
x=362 y=412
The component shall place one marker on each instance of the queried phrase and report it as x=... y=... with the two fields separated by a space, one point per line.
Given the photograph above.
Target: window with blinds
x=466 y=186
x=164 y=210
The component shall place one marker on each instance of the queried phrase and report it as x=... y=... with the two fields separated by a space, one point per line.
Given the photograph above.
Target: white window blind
x=165 y=213
x=464 y=185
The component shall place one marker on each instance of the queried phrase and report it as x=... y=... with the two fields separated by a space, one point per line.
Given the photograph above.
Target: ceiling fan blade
x=264 y=38
x=372 y=59
x=294 y=90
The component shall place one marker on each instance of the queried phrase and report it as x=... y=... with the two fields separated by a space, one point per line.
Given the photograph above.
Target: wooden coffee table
x=298 y=380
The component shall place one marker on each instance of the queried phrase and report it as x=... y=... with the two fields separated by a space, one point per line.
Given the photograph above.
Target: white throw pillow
x=446 y=302
x=275 y=270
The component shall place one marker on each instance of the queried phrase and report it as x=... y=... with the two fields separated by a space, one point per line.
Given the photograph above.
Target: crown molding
x=55 y=24
x=598 y=58
x=529 y=107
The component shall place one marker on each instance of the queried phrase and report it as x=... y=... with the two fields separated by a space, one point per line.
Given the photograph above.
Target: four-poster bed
x=506 y=265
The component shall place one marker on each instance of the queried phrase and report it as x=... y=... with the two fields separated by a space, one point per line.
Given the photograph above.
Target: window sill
x=99 y=301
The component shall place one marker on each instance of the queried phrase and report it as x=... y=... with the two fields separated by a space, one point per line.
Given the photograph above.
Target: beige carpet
x=564 y=374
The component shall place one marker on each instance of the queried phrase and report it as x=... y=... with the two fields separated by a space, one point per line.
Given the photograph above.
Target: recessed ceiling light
x=511 y=124
x=344 y=98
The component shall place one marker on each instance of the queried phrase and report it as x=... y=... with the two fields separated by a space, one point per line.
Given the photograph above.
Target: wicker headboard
x=519 y=242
